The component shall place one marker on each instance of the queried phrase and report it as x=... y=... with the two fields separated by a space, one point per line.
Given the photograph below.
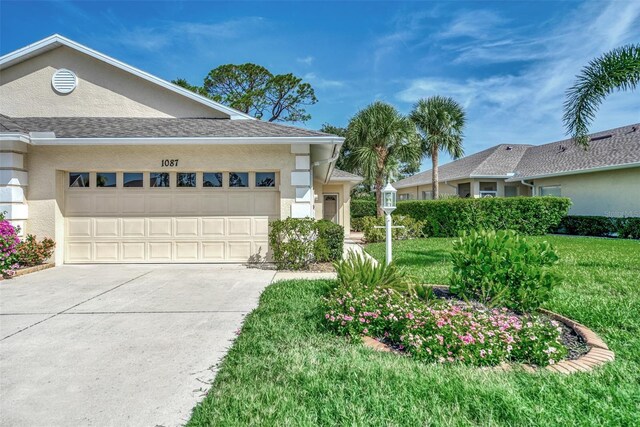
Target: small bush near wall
x=448 y=217
x=30 y=252
x=503 y=269
x=600 y=226
x=412 y=228
x=357 y=224
x=8 y=243
x=298 y=242
x=329 y=244
x=362 y=207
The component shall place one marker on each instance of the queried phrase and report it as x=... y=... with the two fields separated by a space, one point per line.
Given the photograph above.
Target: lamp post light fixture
x=388 y=206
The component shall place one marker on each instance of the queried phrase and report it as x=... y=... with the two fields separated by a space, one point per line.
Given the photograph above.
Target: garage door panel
x=106 y=204
x=133 y=251
x=186 y=251
x=213 y=227
x=107 y=251
x=160 y=227
x=133 y=227
x=106 y=227
x=213 y=251
x=239 y=226
x=266 y=203
x=187 y=204
x=160 y=251
x=78 y=252
x=79 y=227
x=186 y=227
x=260 y=226
x=214 y=203
x=239 y=250
x=78 y=204
x=239 y=204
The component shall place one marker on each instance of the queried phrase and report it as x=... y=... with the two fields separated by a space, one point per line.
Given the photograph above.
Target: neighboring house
x=120 y=166
x=602 y=180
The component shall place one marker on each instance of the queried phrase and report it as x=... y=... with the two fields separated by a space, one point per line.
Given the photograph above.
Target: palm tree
x=618 y=69
x=440 y=121
x=380 y=140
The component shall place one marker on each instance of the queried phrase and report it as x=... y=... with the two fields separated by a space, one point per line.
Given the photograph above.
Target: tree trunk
x=435 y=186
x=379 y=184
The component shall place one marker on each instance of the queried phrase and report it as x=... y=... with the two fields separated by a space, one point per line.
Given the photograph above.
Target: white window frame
x=542 y=187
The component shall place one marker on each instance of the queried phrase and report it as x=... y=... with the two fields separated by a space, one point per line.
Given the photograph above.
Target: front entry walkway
x=121 y=345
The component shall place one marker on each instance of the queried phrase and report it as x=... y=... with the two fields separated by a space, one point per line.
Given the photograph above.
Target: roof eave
x=574 y=172
x=188 y=140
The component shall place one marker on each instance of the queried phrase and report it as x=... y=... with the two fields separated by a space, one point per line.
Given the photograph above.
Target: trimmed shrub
x=357 y=224
x=412 y=228
x=503 y=269
x=629 y=228
x=298 y=242
x=362 y=207
x=600 y=226
x=329 y=244
x=30 y=252
x=8 y=243
x=449 y=217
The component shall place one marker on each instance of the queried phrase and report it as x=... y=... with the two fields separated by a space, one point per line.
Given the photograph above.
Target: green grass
x=285 y=369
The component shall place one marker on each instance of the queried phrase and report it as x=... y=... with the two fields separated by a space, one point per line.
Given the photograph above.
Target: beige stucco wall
x=611 y=193
x=102 y=91
x=47 y=179
x=344 y=202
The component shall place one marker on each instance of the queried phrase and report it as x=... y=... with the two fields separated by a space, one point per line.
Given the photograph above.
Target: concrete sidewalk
x=121 y=345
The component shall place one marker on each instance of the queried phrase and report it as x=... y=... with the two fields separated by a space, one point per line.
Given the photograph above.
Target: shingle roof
x=127 y=127
x=495 y=161
x=340 y=175
x=613 y=147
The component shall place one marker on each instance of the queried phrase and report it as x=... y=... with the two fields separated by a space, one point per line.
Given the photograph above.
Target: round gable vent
x=64 y=81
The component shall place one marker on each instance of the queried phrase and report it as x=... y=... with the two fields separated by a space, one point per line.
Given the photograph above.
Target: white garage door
x=168 y=225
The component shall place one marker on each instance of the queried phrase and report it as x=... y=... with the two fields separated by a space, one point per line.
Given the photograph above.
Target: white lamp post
x=388 y=206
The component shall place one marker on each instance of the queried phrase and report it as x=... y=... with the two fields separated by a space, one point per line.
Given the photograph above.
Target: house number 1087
x=170 y=163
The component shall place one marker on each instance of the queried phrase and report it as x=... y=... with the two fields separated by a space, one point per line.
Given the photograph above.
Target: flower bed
x=446 y=330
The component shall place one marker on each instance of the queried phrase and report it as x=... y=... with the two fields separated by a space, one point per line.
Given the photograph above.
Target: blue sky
x=508 y=63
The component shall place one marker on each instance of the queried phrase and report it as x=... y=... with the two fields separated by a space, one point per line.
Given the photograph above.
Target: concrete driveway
x=117 y=344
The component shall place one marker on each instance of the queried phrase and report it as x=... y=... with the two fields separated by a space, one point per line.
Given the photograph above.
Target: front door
x=330 y=207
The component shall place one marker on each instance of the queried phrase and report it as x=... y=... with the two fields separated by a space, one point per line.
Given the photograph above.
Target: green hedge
x=406 y=228
x=298 y=242
x=601 y=226
x=448 y=217
x=362 y=207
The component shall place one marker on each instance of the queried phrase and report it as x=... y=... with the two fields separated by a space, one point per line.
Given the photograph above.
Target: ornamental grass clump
x=503 y=269
x=8 y=243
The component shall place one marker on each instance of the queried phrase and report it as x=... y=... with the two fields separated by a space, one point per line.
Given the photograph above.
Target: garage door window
x=265 y=179
x=212 y=179
x=106 y=179
x=186 y=179
x=132 y=179
x=160 y=179
x=78 y=179
x=238 y=179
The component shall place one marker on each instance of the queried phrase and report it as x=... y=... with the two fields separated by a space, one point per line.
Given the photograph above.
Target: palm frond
x=618 y=69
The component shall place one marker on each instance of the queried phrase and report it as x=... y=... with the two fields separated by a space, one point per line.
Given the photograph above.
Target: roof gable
x=56 y=41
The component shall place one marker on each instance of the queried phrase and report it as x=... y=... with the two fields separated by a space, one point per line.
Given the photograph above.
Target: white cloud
x=526 y=105
x=307 y=60
x=322 y=83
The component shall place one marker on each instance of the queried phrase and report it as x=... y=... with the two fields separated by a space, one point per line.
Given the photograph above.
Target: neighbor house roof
x=340 y=175
x=611 y=149
x=54 y=41
x=497 y=161
x=138 y=127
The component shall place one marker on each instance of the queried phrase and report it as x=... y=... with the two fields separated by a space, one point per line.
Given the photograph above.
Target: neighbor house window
x=238 y=179
x=488 y=189
x=78 y=179
x=159 y=179
x=212 y=179
x=106 y=179
x=186 y=179
x=464 y=190
x=550 y=190
x=132 y=179
x=510 y=191
x=427 y=195
x=265 y=179
x=404 y=196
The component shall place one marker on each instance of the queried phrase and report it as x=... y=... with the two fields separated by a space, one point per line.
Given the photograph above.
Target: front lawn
x=285 y=369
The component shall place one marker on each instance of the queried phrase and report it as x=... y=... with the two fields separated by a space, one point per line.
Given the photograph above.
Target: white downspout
x=531 y=186
x=333 y=158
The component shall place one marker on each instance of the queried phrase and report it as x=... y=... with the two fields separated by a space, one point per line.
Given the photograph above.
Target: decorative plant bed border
x=598 y=353
x=27 y=270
